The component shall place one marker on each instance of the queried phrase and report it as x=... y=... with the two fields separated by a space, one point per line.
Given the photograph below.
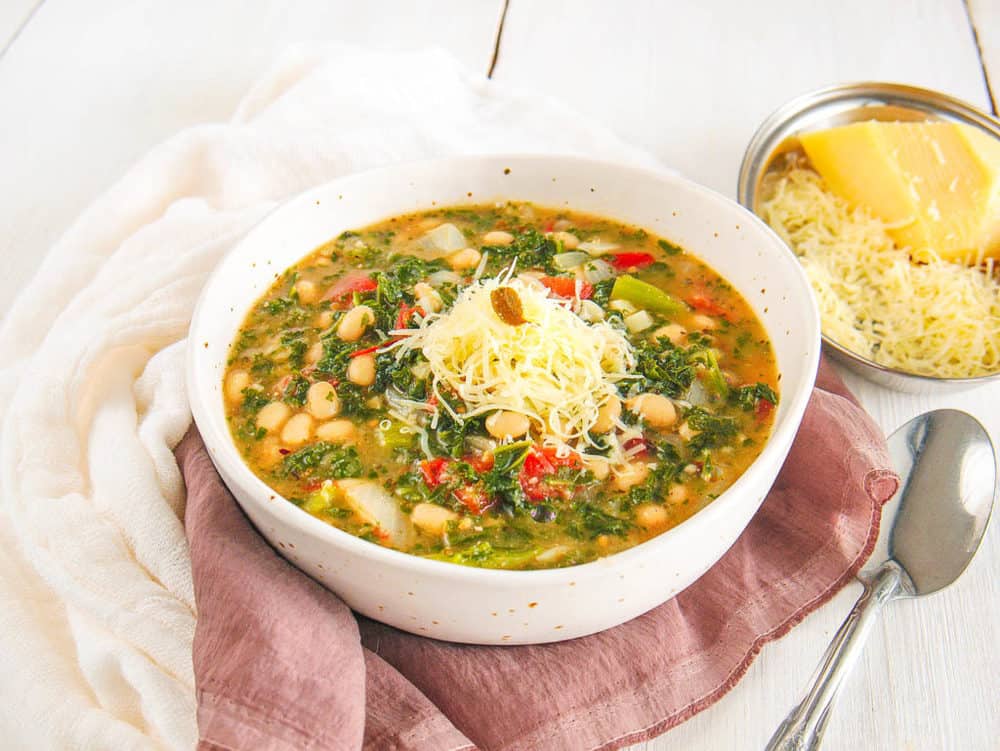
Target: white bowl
x=483 y=606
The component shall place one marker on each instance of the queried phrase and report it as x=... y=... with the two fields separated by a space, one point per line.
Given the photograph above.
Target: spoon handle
x=803 y=728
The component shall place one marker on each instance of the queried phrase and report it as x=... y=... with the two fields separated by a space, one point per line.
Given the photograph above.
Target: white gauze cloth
x=97 y=611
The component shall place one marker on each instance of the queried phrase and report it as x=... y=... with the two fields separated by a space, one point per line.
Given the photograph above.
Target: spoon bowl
x=931 y=529
x=938 y=518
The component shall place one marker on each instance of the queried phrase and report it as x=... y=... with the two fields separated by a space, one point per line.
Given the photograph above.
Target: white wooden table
x=86 y=88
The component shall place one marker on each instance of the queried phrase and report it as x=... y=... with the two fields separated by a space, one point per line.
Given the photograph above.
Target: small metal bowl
x=841 y=105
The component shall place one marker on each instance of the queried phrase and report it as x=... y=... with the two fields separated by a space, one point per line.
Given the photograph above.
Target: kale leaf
x=669 y=248
x=254 y=400
x=336 y=356
x=399 y=373
x=746 y=397
x=261 y=365
x=666 y=368
x=591 y=522
x=296 y=344
x=530 y=245
x=278 y=305
x=602 y=292
x=714 y=430
x=296 y=390
x=322 y=461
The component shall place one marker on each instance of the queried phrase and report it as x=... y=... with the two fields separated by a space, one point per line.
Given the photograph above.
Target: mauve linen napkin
x=282 y=663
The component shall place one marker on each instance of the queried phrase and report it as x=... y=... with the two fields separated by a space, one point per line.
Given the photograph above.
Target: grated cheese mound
x=556 y=369
x=933 y=318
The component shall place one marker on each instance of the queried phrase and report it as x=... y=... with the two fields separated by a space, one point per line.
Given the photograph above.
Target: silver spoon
x=931 y=529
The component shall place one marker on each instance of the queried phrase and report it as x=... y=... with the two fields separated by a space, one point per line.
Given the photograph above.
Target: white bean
x=651 y=516
x=610 y=411
x=677 y=493
x=598 y=466
x=503 y=424
x=354 y=323
x=568 y=239
x=656 y=410
x=465 y=259
x=630 y=475
x=361 y=370
x=685 y=431
x=498 y=237
x=324 y=319
x=268 y=452
x=337 y=431
x=431 y=518
x=272 y=416
x=672 y=331
x=321 y=401
x=427 y=297
x=297 y=430
x=314 y=353
x=236 y=381
x=307 y=291
x=703 y=322
x=562 y=225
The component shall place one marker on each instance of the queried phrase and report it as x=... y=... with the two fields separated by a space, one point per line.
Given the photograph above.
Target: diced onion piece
x=590 y=311
x=597 y=248
x=375 y=506
x=444 y=237
x=639 y=321
x=567 y=261
x=443 y=276
x=597 y=271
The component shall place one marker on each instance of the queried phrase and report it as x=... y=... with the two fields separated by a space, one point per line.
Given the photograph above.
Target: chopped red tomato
x=480 y=462
x=763 y=409
x=348 y=284
x=572 y=459
x=622 y=261
x=548 y=226
x=565 y=286
x=473 y=498
x=701 y=301
x=538 y=466
x=433 y=471
x=406 y=313
x=633 y=444
x=538 y=490
x=282 y=384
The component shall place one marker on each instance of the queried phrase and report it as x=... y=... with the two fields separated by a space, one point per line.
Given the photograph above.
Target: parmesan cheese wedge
x=936 y=185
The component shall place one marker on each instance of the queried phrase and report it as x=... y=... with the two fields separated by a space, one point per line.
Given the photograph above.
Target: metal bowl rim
x=789 y=112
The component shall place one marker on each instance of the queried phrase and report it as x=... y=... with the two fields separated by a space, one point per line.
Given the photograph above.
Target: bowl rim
x=780 y=125
x=782 y=434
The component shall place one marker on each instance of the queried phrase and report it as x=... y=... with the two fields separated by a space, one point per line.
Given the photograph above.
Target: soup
x=501 y=386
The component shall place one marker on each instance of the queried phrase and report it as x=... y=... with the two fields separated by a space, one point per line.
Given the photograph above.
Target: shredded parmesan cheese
x=933 y=318
x=555 y=368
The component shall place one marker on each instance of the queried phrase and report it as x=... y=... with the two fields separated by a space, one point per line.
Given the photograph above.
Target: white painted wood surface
x=86 y=88
x=14 y=14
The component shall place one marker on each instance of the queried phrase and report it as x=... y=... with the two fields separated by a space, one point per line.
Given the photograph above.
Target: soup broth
x=504 y=386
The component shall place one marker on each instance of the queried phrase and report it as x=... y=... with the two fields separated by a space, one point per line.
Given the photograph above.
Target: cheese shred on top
x=933 y=318
x=555 y=368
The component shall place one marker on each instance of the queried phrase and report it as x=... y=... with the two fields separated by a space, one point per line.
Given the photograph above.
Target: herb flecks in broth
x=501 y=386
